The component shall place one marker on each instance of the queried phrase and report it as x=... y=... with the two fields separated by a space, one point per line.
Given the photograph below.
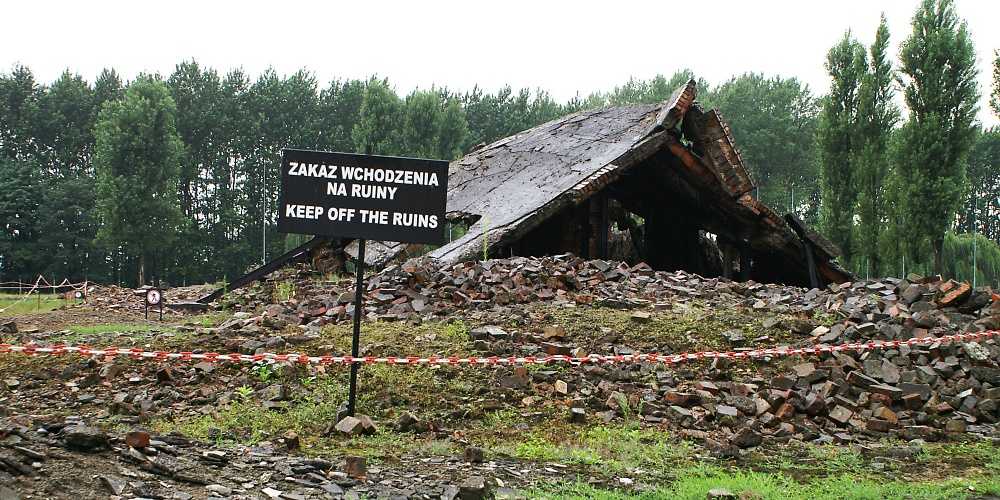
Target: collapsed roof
x=673 y=164
x=667 y=175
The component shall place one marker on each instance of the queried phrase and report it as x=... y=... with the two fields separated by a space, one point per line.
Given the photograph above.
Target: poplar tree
x=137 y=158
x=939 y=63
x=837 y=137
x=995 y=97
x=877 y=115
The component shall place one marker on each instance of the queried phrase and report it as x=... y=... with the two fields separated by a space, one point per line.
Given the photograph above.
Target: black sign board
x=365 y=197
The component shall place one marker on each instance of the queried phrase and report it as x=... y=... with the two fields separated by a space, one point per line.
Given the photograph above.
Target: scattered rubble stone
x=84 y=438
x=474 y=488
x=356 y=467
x=474 y=454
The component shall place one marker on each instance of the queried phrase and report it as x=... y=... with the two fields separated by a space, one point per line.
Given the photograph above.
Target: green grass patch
x=611 y=448
x=105 y=328
x=685 y=327
x=12 y=304
x=695 y=482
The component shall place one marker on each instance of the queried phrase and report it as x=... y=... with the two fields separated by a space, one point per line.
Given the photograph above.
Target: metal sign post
x=359 y=290
x=362 y=197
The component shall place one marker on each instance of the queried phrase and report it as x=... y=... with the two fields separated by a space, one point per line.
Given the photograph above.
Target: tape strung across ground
x=143 y=354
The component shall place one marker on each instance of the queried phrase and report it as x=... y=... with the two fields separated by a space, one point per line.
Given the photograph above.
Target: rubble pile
x=118 y=298
x=418 y=289
x=172 y=466
x=912 y=392
x=920 y=393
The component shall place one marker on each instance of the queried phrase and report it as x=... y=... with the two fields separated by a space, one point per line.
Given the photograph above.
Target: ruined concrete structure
x=658 y=183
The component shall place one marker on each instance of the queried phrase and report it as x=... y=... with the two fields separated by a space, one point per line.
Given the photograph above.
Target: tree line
x=174 y=176
x=911 y=193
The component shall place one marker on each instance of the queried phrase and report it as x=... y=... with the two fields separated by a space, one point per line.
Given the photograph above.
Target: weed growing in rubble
x=265 y=373
x=244 y=392
x=500 y=419
x=486 y=238
x=284 y=291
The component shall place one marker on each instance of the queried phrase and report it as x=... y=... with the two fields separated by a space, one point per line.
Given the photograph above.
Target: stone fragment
x=721 y=494
x=349 y=426
x=956 y=295
x=137 y=439
x=291 y=439
x=747 y=438
x=114 y=485
x=473 y=488
x=85 y=438
x=474 y=455
x=785 y=411
x=561 y=387
x=878 y=425
x=955 y=426
x=841 y=415
x=554 y=332
x=685 y=399
x=355 y=467
x=367 y=425
x=577 y=415
x=641 y=316
x=976 y=352
x=219 y=489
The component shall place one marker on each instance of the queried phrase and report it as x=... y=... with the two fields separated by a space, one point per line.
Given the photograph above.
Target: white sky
x=563 y=47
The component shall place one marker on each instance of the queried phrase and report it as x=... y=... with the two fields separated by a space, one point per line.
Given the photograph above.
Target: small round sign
x=78 y=294
x=153 y=297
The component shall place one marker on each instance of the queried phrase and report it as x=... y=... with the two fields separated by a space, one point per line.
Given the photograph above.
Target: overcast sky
x=563 y=47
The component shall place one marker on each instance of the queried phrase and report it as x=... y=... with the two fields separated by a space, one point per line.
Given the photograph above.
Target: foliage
x=961 y=251
x=877 y=116
x=773 y=120
x=136 y=158
x=838 y=141
x=940 y=90
x=981 y=208
x=995 y=96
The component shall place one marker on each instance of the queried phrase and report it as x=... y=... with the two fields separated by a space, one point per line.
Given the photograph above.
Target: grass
x=611 y=448
x=12 y=304
x=686 y=327
x=695 y=482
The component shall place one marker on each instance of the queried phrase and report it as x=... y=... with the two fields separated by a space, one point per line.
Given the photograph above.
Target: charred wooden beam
x=298 y=254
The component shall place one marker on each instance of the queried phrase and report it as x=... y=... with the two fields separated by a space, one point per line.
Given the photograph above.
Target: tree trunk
x=142 y=270
x=938 y=244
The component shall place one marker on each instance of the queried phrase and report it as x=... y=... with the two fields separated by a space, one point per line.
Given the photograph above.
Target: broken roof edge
x=671 y=114
x=711 y=147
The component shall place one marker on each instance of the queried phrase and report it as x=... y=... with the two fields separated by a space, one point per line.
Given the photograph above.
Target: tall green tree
x=938 y=62
x=838 y=141
x=19 y=228
x=137 y=159
x=19 y=93
x=377 y=131
x=995 y=96
x=421 y=124
x=453 y=131
x=980 y=212
x=773 y=120
x=877 y=116
x=339 y=107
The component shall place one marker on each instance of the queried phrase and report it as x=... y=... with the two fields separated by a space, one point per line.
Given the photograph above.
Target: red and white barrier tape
x=137 y=353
